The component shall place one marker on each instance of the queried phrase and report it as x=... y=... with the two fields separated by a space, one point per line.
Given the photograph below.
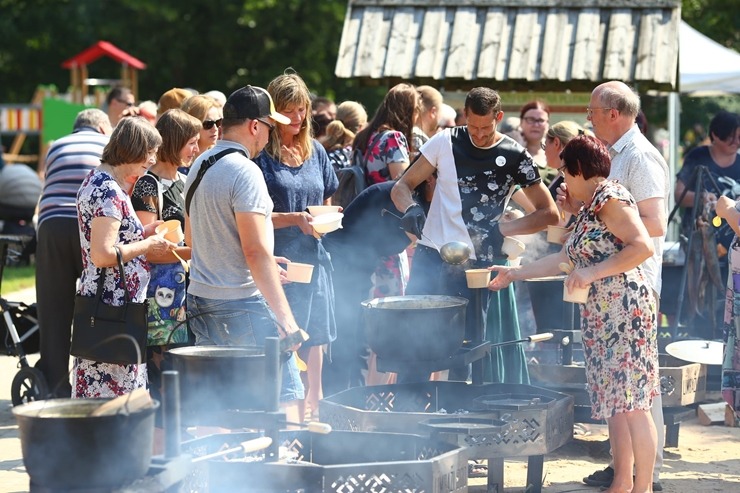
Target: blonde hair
x=353 y=115
x=199 y=105
x=337 y=136
x=566 y=130
x=286 y=90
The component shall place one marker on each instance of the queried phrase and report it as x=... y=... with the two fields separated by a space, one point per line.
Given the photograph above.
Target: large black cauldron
x=66 y=449
x=413 y=328
x=219 y=378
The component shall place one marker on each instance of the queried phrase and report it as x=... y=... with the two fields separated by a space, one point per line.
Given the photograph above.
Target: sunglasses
x=125 y=101
x=208 y=124
x=269 y=125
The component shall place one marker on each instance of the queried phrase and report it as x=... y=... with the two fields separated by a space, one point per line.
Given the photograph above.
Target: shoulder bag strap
x=119 y=256
x=159 y=197
x=205 y=165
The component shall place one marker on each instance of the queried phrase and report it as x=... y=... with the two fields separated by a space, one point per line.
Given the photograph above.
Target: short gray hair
x=621 y=97
x=91 y=117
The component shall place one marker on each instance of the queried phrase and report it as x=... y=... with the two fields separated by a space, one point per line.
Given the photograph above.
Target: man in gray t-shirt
x=233 y=276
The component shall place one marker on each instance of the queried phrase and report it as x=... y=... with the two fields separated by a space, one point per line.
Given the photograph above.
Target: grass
x=17 y=278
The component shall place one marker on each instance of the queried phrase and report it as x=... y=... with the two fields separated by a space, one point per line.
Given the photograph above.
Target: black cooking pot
x=66 y=449
x=218 y=378
x=414 y=328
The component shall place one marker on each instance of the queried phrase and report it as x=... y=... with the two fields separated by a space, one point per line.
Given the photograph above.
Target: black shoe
x=600 y=478
x=605 y=477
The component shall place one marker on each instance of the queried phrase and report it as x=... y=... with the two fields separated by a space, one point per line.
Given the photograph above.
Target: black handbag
x=106 y=333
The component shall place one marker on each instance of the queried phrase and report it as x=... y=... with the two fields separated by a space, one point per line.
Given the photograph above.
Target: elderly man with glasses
x=640 y=168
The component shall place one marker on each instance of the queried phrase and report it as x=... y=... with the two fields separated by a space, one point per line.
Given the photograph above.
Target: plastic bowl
x=512 y=247
x=171 y=230
x=326 y=223
x=318 y=210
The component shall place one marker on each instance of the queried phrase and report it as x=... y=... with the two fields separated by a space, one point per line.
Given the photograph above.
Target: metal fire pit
x=681 y=384
x=530 y=431
x=337 y=462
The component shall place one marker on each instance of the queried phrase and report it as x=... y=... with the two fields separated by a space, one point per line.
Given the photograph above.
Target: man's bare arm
x=261 y=262
x=401 y=194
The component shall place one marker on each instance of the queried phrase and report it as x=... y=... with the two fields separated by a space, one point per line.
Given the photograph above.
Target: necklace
x=294 y=156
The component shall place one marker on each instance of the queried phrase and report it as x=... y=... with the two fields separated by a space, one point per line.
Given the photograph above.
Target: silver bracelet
x=409 y=207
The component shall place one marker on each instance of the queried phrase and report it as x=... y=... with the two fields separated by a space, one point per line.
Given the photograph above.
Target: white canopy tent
x=705 y=65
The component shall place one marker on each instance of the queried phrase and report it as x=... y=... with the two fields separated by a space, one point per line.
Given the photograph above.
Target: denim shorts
x=241 y=322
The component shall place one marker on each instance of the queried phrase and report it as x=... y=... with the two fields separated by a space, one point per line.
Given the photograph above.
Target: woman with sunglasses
x=209 y=112
x=299 y=174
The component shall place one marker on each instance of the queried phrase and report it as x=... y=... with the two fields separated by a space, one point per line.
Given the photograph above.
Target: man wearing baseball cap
x=235 y=297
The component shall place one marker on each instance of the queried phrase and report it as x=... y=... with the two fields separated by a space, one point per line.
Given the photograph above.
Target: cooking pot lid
x=219 y=351
x=422 y=301
x=704 y=352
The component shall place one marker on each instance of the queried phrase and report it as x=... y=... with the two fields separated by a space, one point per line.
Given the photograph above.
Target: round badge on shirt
x=500 y=161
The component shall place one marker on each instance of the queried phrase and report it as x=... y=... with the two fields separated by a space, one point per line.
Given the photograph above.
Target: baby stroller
x=21 y=331
x=20 y=189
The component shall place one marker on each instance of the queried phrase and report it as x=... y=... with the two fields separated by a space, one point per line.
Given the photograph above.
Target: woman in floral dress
x=727 y=209
x=608 y=243
x=107 y=221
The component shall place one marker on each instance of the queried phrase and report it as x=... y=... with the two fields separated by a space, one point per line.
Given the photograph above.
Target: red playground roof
x=104 y=48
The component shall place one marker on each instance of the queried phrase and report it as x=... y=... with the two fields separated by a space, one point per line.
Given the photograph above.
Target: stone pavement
x=13 y=477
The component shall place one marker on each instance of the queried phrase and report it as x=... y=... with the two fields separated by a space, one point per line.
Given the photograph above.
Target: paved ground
x=13 y=477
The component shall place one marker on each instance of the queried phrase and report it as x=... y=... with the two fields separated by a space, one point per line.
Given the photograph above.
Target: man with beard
x=477 y=169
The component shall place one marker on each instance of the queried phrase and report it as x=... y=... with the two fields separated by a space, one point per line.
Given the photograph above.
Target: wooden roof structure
x=547 y=45
x=78 y=68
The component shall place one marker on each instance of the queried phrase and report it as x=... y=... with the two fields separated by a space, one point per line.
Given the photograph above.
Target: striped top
x=68 y=162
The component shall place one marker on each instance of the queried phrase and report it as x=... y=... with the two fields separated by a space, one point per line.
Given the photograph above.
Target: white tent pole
x=674 y=117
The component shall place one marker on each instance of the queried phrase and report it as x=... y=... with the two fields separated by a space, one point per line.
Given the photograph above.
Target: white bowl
x=326 y=223
x=512 y=247
x=317 y=210
x=478 y=278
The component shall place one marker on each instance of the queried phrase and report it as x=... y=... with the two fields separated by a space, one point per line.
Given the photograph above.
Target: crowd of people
x=239 y=173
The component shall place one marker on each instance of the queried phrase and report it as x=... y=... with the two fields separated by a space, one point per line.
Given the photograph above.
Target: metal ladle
x=453 y=253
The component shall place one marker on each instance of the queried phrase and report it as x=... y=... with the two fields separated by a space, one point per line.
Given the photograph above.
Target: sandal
x=476 y=469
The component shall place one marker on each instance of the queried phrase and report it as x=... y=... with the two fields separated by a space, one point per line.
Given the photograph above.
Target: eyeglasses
x=269 y=125
x=125 y=101
x=542 y=145
x=534 y=121
x=590 y=111
x=208 y=124
x=561 y=171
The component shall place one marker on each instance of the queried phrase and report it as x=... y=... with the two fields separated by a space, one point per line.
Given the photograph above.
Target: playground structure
x=50 y=115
